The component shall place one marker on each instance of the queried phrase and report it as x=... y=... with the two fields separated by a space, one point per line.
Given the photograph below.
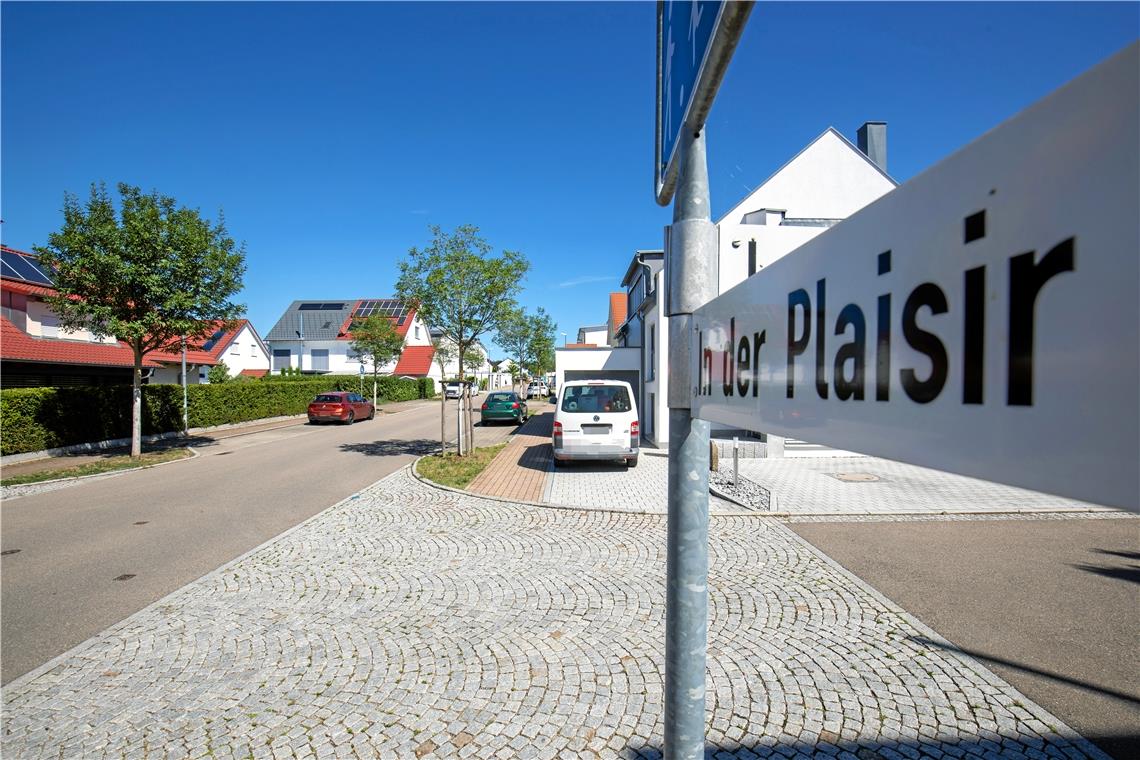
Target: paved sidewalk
x=409 y=621
x=519 y=472
x=882 y=486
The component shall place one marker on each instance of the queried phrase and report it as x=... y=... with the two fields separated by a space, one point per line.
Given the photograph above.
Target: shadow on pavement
x=417 y=447
x=830 y=745
x=1130 y=574
x=1123 y=697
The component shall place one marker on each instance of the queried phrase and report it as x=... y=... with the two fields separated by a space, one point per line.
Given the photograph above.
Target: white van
x=596 y=419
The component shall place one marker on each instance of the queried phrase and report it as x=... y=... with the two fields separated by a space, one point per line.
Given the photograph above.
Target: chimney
x=873 y=141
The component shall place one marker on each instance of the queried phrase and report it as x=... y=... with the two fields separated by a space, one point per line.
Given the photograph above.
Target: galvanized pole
x=185 y=402
x=692 y=281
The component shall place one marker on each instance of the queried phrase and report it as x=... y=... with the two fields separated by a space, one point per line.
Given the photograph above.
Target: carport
x=603 y=363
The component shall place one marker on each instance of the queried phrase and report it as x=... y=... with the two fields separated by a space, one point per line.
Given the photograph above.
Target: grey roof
x=319 y=323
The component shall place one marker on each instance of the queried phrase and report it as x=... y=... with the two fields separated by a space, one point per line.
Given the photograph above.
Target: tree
x=473 y=362
x=150 y=276
x=219 y=373
x=530 y=340
x=444 y=353
x=377 y=342
x=460 y=289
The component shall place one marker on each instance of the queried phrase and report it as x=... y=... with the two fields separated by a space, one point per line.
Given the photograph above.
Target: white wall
x=244 y=352
x=574 y=359
x=42 y=322
x=597 y=337
x=172 y=374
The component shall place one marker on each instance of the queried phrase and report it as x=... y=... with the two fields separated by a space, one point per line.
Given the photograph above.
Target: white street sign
x=982 y=318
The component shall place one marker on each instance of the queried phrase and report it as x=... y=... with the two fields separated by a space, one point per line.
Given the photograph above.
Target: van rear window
x=596 y=399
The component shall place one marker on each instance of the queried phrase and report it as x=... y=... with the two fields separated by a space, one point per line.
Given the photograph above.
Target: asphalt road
x=1051 y=606
x=168 y=525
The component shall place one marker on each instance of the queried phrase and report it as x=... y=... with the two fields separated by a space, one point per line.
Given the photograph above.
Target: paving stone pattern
x=808 y=486
x=414 y=622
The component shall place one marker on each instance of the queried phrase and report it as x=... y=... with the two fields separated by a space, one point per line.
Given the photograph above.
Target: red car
x=340 y=406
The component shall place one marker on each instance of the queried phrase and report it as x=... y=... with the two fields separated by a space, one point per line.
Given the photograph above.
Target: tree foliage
x=377 y=342
x=529 y=339
x=218 y=374
x=149 y=275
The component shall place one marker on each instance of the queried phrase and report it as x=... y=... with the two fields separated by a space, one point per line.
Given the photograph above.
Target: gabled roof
x=618 y=305
x=217 y=343
x=331 y=319
x=17 y=345
x=829 y=132
x=415 y=361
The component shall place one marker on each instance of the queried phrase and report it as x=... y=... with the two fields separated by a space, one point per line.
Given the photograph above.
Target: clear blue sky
x=333 y=135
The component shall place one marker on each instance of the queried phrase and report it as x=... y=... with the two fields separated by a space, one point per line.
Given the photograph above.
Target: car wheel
x=559 y=464
x=632 y=462
x=372 y=414
x=351 y=418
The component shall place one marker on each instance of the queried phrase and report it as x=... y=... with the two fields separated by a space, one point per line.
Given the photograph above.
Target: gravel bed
x=747 y=493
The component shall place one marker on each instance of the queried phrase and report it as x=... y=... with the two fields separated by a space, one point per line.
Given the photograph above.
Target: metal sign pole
x=692 y=281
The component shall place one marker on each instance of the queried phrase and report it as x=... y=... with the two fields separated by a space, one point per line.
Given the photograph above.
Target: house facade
x=35 y=350
x=826 y=182
x=240 y=348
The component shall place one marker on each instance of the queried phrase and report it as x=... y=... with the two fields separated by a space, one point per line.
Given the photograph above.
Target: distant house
x=316 y=337
x=36 y=351
x=593 y=335
x=240 y=348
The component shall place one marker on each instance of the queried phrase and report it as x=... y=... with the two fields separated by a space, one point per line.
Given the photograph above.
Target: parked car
x=537 y=389
x=504 y=405
x=452 y=389
x=596 y=419
x=340 y=406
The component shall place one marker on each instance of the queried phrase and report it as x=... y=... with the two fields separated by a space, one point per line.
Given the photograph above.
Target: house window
x=417 y=332
x=235 y=350
x=253 y=349
x=320 y=359
x=282 y=358
x=651 y=369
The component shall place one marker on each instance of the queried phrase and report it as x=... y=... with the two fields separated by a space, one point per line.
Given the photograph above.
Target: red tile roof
x=618 y=302
x=222 y=343
x=17 y=345
x=27 y=288
x=415 y=361
x=254 y=372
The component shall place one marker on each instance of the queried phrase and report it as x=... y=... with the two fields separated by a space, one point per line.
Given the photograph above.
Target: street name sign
x=983 y=318
x=695 y=40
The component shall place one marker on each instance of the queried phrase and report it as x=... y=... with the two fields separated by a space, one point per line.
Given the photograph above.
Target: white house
x=240 y=348
x=315 y=337
x=827 y=181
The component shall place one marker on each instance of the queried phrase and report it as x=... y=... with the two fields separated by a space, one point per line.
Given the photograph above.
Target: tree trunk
x=470 y=422
x=442 y=420
x=136 y=406
x=375 y=400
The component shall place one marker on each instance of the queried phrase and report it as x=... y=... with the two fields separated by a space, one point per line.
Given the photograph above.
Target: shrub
x=219 y=373
x=33 y=419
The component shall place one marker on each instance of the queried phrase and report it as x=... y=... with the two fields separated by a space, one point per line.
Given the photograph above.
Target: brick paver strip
x=520 y=470
x=414 y=622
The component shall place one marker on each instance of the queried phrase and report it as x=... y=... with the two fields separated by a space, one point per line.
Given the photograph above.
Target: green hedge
x=33 y=419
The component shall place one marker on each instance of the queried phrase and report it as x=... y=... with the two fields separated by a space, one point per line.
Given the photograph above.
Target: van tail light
x=557 y=433
x=634 y=434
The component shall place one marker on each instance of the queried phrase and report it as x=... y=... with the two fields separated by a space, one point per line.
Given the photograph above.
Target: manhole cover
x=125 y=577
x=855 y=477
x=6 y=552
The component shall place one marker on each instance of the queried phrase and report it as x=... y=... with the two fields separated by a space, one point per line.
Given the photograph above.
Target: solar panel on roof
x=24 y=268
x=320 y=307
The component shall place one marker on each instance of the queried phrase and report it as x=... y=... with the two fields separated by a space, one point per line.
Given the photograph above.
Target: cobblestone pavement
x=615 y=487
x=413 y=622
x=809 y=486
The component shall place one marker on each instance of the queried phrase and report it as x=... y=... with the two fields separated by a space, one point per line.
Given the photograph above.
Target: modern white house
x=826 y=182
x=315 y=337
x=240 y=348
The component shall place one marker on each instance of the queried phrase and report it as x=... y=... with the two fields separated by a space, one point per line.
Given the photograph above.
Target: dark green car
x=504 y=405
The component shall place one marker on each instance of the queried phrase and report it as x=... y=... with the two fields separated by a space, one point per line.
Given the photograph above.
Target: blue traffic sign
x=695 y=39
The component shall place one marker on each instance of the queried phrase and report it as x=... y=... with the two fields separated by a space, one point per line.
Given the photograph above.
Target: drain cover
x=125 y=577
x=6 y=552
x=855 y=477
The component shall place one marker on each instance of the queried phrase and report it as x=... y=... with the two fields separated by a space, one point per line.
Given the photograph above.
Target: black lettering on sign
x=706 y=367
x=883 y=338
x=924 y=391
x=796 y=346
x=854 y=352
x=743 y=366
x=758 y=339
x=974 y=331
x=820 y=348
x=1025 y=281
x=727 y=366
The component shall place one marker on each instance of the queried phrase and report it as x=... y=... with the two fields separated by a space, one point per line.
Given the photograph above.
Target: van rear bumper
x=563 y=454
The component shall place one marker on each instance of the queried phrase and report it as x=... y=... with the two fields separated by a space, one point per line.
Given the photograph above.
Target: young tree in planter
x=540 y=347
x=514 y=336
x=151 y=275
x=378 y=343
x=460 y=289
x=444 y=353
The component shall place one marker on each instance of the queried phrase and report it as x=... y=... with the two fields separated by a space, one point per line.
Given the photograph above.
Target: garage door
x=631 y=376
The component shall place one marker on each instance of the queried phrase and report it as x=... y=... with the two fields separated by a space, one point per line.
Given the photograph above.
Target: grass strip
x=456 y=471
x=109 y=464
